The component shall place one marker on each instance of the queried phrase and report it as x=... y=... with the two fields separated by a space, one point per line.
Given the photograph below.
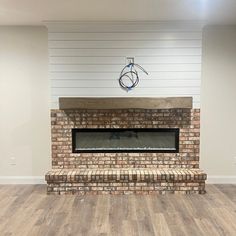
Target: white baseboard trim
x=221 y=179
x=22 y=180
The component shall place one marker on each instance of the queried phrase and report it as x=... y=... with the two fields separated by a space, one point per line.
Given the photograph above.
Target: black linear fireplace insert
x=125 y=140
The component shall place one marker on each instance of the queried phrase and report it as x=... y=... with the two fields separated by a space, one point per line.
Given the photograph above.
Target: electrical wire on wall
x=129 y=77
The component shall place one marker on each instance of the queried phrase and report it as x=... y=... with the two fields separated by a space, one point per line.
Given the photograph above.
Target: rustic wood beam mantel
x=124 y=102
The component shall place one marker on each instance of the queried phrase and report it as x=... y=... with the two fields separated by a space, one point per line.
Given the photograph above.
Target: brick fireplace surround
x=125 y=173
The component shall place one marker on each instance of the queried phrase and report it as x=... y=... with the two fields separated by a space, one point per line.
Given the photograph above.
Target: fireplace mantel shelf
x=124 y=102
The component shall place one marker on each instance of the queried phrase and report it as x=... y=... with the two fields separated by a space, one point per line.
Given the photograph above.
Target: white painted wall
x=86 y=59
x=218 y=103
x=24 y=102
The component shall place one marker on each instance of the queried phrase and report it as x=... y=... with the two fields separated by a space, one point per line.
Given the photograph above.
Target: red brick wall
x=187 y=120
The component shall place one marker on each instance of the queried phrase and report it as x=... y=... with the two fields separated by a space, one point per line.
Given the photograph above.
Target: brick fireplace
x=125 y=172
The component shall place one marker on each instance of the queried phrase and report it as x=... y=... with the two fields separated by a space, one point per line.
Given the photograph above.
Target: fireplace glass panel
x=125 y=140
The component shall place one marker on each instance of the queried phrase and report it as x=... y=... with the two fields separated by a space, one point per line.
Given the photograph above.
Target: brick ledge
x=125 y=175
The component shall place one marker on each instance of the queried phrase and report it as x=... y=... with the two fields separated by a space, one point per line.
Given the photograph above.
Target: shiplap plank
x=191 y=59
x=116 y=91
x=88 y=60
x=124 y=26
x=178 y=75
x=122 y=60
x=126 y=51
x=126 y=44
x=185 y=35
x=118 y=68
x=144 y=83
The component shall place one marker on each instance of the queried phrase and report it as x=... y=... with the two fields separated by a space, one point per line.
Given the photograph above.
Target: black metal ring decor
x=129 y=77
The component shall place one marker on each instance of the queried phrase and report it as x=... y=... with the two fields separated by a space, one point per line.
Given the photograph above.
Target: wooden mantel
x=124 y=102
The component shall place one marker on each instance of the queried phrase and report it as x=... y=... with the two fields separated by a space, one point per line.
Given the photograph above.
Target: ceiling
x=35 y=12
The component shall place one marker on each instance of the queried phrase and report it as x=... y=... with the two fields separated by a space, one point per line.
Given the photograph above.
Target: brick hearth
x=123 y=173
x=126 y=181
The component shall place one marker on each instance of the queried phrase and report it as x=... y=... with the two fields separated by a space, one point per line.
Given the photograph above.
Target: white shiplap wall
x=86 y=58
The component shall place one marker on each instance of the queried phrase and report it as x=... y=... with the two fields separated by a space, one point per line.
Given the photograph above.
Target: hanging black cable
x=129 y=77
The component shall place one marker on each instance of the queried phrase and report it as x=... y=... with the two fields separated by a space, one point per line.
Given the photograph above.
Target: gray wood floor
x=27 y=210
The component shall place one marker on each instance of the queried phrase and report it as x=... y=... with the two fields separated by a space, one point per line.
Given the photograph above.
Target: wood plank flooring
x=27 y=210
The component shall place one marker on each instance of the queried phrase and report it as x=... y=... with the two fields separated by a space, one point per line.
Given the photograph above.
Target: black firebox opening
x=162 y=140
